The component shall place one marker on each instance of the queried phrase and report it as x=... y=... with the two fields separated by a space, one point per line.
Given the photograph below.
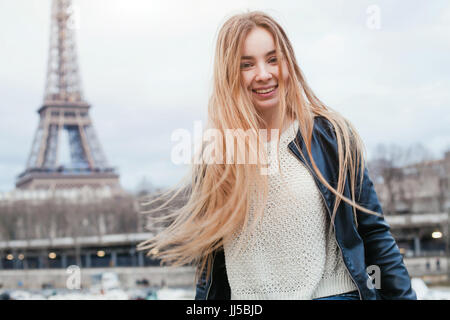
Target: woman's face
x=259 y=69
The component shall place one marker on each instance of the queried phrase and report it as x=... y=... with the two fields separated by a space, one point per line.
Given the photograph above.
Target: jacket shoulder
x=323 y=126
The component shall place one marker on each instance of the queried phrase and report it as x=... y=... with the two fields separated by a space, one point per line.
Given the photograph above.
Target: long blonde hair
x=219 y=194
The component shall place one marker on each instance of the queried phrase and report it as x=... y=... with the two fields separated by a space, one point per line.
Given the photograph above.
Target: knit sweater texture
x=290 y=254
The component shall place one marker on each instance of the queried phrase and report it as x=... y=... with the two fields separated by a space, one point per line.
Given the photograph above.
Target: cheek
x=246 y=80
x=285 y=72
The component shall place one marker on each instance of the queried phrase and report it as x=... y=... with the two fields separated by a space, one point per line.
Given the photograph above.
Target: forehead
x=258 y=42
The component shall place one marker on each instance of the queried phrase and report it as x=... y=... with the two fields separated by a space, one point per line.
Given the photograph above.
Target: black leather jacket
x=371 y=243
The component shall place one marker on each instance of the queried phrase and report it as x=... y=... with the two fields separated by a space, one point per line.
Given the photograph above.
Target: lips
x=265 y=88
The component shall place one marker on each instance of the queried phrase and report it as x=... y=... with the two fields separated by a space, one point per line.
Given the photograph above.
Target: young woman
x=311 y=229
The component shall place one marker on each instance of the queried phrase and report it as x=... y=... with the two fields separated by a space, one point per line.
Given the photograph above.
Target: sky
x=146 y=69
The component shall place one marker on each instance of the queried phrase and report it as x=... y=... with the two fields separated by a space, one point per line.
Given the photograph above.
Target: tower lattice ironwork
x=65 y=110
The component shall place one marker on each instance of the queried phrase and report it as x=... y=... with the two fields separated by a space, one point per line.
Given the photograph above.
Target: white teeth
x=265 y=91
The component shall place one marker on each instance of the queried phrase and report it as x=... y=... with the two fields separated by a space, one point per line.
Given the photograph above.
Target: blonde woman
x=311 y=226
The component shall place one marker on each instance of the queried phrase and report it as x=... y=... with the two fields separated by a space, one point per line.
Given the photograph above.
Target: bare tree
x=53 y=217
x=399 y=169
x=444 y=182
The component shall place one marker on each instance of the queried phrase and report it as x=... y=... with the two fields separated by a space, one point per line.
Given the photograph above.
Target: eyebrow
x=267 y=54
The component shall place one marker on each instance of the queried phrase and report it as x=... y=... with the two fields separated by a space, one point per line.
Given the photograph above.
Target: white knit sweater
x=290 y=255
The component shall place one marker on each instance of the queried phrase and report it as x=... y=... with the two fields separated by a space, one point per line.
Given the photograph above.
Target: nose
x=262 y=74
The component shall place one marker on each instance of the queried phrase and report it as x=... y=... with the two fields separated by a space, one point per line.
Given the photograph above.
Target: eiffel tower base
x=59 y=180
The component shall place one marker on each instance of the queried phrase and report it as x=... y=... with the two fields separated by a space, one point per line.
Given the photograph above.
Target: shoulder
x=329 y=134
x=324 y=128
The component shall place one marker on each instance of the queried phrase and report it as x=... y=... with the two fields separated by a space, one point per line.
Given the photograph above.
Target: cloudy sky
x=146 y=69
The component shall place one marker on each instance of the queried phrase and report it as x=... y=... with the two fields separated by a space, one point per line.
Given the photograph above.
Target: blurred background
x=91 y=92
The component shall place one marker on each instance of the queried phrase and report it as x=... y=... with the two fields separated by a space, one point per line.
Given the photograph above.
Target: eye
x=245 y=65
x=273 y=60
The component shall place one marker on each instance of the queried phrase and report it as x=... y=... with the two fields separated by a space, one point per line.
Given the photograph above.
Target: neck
x=272 y=122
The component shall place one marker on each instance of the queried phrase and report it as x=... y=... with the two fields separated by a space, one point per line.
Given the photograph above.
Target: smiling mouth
x=266 y=90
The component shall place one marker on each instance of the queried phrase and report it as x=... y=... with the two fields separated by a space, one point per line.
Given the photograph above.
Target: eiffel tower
x=65 y=113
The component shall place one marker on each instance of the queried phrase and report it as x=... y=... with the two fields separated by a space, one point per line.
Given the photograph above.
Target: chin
x=266 y=107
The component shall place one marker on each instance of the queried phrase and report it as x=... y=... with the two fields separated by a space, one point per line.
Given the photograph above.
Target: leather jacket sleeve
x=205 y=290
x=380 y=247
x=201 y=287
